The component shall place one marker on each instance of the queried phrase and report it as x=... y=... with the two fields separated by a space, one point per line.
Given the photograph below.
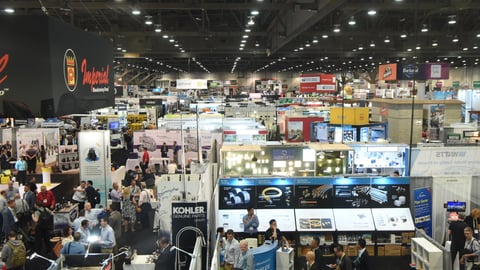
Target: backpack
x=18 y=255
x=45 y=221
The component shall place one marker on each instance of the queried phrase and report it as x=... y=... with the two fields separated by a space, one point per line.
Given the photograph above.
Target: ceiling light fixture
x=165 y=36
x=403 y=35
x=387 y=39
x=451 y=19
x=171 y=40
x=250 y=21
x=136 y=12
x=243 y=41
x=148 y=20
x=424 y=29
x=336 y=28
x=254 y=12
x=315 y=40
x=245 y=36
x=352 y=21
x=372 y=12
x=248 y=30
x=158 y=29
x=455 y=39
x=372 y=44
x=326 y=36
x=9 y=10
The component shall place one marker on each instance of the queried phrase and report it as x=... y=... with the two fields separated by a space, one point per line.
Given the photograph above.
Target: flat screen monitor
x=114 y=125
x=456 y=206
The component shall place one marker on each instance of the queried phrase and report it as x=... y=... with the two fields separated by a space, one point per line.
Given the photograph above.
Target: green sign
x=476 y=84
x=456 y=84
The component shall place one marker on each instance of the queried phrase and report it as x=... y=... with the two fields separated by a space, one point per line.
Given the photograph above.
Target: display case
x=244 y=160
x=425 y=255
x=331 y=159
x=285 y=259
x=68 y=158
x=380 y=159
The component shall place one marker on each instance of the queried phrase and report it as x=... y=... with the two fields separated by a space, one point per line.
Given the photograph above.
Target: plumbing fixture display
x=361 y=196
x=314 y=196
x=236 y=197
x=354 y=219
x=393 y=219
x=314 y=220
x=274 y=196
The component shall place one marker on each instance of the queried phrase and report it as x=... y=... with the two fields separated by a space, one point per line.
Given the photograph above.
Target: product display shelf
x=326 y=240
x=349 y=241
x=425 y=255
x=68 y=158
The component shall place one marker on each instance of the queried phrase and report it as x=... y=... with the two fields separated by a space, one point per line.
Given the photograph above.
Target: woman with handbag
x=471 y=252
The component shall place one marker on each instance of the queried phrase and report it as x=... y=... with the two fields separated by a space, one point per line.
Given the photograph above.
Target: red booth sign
x=310 y=83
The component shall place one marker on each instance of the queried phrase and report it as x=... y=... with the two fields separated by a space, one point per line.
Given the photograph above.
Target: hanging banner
x=191 y=84
x=387 y=72
x=310 y=83
x=411 y=72
x=437 y=71
x=189 y=220
x=422 y=209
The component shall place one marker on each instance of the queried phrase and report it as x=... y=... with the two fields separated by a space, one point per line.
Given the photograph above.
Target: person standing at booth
x=250 y=222
x=145 y=159
x=164 y=151
x=311 y=264
x=472 y=221
x=31 y=157
x=455 y=231
x=232 y=251
x=245 y=260
x=471 y=250
x=21 y=167
x=362 y=260
x=46 y=197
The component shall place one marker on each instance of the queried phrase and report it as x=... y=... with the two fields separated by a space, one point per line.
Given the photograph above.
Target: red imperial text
x=94 y=77
x=3 y=65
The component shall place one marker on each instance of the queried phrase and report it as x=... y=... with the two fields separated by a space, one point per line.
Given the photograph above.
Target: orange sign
x=387 y=72
x=3 y=65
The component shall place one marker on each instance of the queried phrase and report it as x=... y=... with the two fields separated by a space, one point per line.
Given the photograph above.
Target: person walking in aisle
x=471 y=250
x=232 y=251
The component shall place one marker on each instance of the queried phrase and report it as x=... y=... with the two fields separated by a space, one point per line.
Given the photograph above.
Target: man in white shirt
x=80 y=196
x=232 y=251
x=92 y=215
x=107 y=237
x=84 y=232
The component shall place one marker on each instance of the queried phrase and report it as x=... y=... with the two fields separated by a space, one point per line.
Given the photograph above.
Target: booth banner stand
x=422 y=209
x=94 y=157
x=189 y=220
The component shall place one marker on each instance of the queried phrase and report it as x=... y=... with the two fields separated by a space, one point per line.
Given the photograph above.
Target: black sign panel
x=189 y=220
x=50 y=68
x=150 y=102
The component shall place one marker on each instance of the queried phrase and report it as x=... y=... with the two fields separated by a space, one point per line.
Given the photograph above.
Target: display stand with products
x=285 y=258
x=68 y=158
x=380 y=159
